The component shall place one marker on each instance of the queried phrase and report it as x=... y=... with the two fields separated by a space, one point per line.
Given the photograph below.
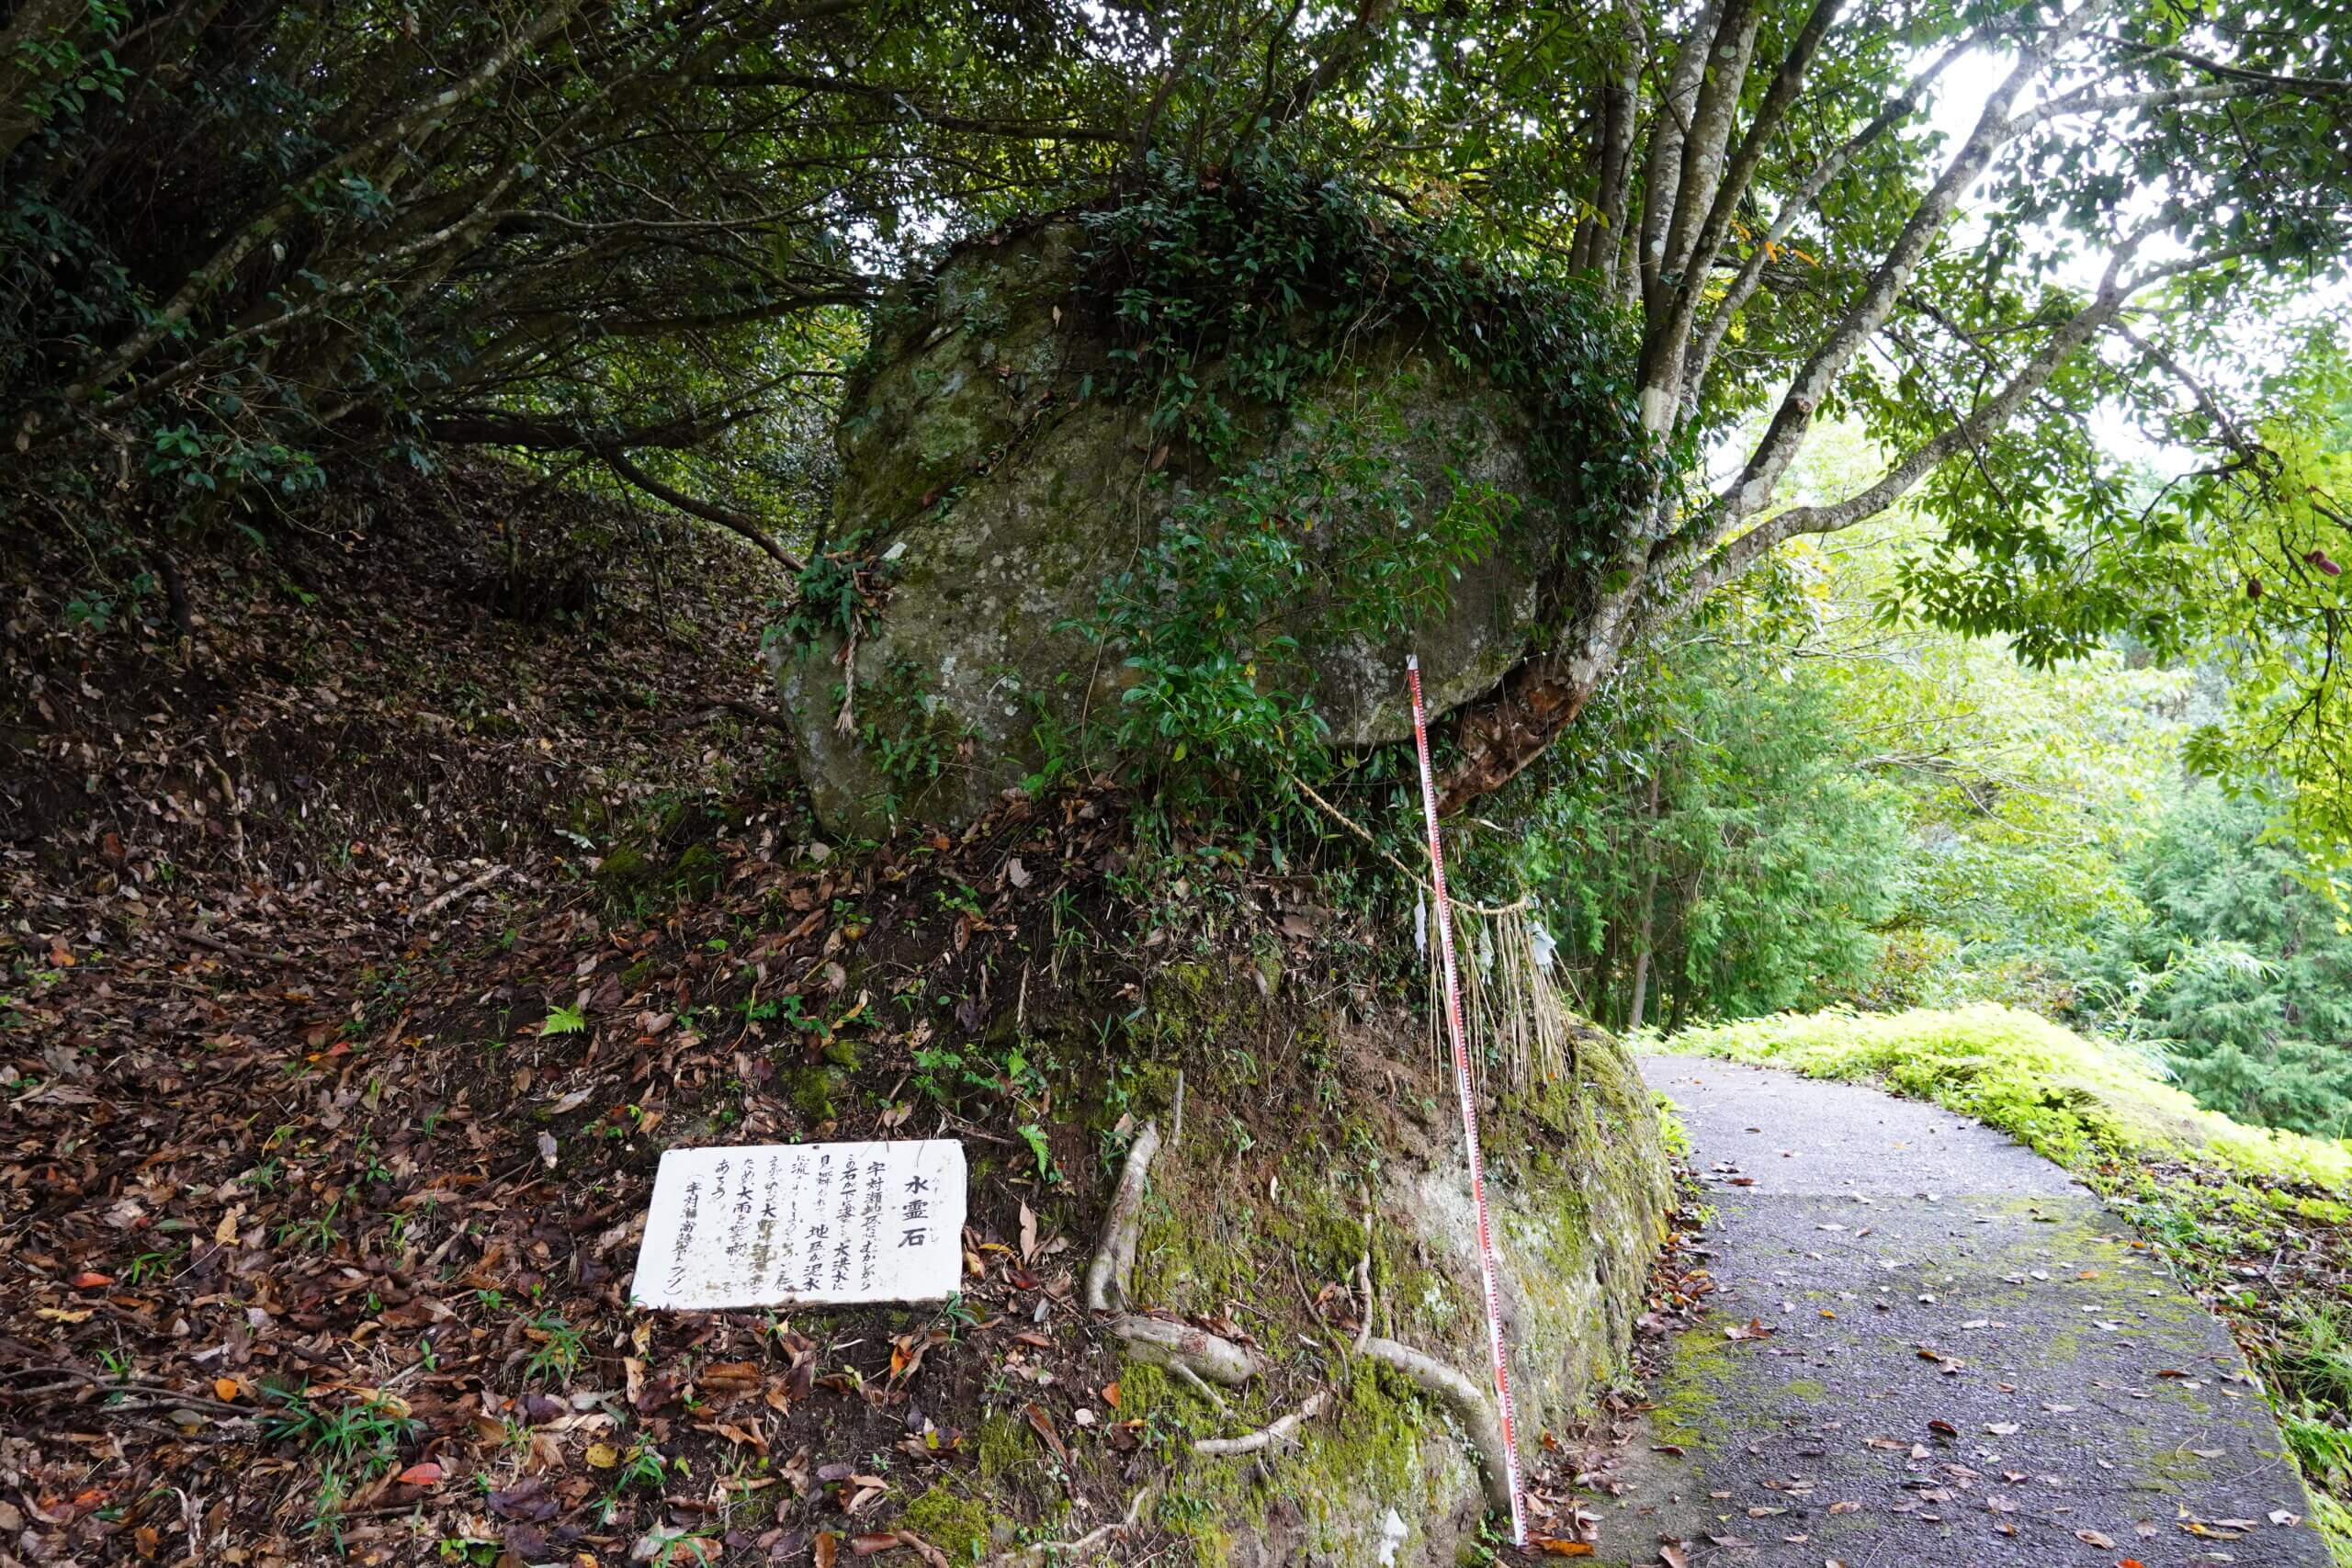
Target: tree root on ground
x=1159 y=1343
x=1192 y=1352
x=1202 y=1359
x=1115 y=1254
x=1466 y=1399
x=1281 y=1431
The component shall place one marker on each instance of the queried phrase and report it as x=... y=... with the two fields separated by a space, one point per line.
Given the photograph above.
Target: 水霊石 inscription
x=795 y=1225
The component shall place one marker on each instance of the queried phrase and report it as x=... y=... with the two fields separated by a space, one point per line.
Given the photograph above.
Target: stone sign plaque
x=804 y=1224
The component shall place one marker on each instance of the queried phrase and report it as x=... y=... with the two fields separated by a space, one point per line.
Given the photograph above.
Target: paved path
x=1966 y=1362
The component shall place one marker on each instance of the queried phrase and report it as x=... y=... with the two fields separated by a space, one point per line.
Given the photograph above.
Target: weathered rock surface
x=984 y=457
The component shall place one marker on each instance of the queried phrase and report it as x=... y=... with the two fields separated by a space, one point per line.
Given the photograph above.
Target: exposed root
x=1466 y=1399
x=1191 y=1379
x=1046 y=1551
x=1265 y=1438
x=1113 y=1263
x=1363 y=1293
x=1159 y=1343
x=1194 y=1353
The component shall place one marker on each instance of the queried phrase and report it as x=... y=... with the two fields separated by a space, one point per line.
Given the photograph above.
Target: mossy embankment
x=426 y=1015
x=1316 y=1150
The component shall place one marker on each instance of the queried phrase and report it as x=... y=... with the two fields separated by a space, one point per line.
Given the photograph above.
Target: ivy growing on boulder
x=1183 y=475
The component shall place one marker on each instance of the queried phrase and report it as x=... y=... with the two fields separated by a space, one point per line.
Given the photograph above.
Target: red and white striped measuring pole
x=1497 y=1359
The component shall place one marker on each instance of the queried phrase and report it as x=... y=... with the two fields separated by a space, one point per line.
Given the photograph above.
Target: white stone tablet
x=804 y=1224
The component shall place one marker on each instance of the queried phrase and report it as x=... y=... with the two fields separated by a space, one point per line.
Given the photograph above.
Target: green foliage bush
x=1228 y=299
x=1765 y=866
x=1233 y=294
x=2242 y=974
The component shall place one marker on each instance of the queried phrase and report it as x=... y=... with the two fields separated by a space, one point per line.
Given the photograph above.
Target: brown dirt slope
x=378 y=906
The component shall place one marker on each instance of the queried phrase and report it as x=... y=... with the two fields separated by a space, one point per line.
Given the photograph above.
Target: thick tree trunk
x=1499 y=734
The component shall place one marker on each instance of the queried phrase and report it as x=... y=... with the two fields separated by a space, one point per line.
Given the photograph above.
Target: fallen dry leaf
x=1043 y=1425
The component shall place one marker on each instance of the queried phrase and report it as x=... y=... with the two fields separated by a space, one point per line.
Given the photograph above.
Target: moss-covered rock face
x=1000 y=465
x=1247 y=1203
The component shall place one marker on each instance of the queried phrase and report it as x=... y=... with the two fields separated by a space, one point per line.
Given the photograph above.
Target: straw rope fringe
x=1509 y=1001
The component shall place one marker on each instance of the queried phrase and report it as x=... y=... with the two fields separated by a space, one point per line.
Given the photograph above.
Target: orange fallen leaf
x=1110 y=1395
x=225 y=1389
x=426 y=1474
x=88 y=1281
x=826 y=1547
x=1556 y=1547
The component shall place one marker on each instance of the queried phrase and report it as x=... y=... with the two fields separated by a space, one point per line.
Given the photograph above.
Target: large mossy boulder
x=1034 y=458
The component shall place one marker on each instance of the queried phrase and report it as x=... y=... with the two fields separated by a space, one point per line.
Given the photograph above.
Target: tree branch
x=709 y=512
x=1702 y=356
x=250 y=236
x=2087 y=101
x=1667 y=343
x=2115 y=291
x=976 y=125
x=1752 y=491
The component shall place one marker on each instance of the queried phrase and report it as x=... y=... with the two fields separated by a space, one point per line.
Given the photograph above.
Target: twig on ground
x=718 y=706
x=215 y=944
x=162 y=1393
x=1469 y=1404
x=1266 y=1437
x=465 y=889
